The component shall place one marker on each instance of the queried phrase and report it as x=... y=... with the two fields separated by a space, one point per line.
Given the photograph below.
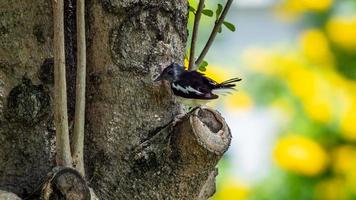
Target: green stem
x=191 y=65
x=214 y=32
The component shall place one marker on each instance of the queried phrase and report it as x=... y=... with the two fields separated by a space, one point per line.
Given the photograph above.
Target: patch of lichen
x=27 y=103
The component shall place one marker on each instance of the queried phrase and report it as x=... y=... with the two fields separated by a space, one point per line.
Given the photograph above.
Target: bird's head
x=171 y=73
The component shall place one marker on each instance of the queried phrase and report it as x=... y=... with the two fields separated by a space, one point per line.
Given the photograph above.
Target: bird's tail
x=226 y=87
x=228 y=84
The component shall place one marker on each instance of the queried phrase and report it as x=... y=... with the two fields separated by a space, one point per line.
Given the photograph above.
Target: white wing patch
x=186 y=90
x=189 y=88
x=180 y=88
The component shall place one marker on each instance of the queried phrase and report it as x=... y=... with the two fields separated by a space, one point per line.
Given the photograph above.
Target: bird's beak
x=159 y=78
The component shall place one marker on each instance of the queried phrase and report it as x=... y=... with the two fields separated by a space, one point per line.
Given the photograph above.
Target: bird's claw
x=178 y=118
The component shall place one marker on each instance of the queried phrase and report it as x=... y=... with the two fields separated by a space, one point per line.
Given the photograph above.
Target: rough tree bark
x=132 y=150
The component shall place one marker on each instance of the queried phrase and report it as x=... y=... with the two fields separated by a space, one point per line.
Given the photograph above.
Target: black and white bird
x=193 y=88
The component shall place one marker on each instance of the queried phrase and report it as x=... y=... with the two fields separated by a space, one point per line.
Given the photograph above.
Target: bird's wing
x=223 y=88
x=193 y=85
x=206 y=80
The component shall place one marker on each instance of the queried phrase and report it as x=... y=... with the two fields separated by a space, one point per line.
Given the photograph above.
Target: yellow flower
x=302 y=87
x=300 y=155
x=331 y=189
x=238 y=100
x=316 y=47
x=344 y=159
x=342 y=31
x=316 y=5
x=319 y=108
x=348 y=122
x=232 y=190
x=293 y=7
x=217 y=73
x=314 y=91
x=345 y=165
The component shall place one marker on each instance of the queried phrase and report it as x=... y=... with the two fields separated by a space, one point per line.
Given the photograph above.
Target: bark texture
x=132 y=150
x=26 y=128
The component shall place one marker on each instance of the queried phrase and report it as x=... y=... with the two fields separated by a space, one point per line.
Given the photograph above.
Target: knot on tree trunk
x=210 y=130
x=200 y=133
x=65 y=183
x=198 y=144
x=190 y=150
x=200 y=140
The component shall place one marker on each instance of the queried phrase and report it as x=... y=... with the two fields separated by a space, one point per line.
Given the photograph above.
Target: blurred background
x=293 y=119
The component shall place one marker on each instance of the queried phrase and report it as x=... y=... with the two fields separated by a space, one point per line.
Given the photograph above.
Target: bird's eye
x=170 y=72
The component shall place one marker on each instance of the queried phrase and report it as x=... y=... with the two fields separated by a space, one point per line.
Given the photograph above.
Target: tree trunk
x=132 y=148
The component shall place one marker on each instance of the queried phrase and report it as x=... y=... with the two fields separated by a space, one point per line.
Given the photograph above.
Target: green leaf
x=192 y=3
x=218 y=11
x=207 y=12
x=202 y=66
x=202 y=69
x=191 y=9
x=230 y=26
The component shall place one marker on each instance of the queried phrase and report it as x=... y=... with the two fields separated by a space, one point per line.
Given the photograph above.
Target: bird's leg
x=179 y=117
x=192 y=109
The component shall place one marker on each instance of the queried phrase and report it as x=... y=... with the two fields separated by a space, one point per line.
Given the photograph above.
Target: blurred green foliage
x=313 y=84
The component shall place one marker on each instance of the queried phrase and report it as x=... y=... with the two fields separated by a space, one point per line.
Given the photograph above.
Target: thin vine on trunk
x=64 y=157
x=79 y=120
